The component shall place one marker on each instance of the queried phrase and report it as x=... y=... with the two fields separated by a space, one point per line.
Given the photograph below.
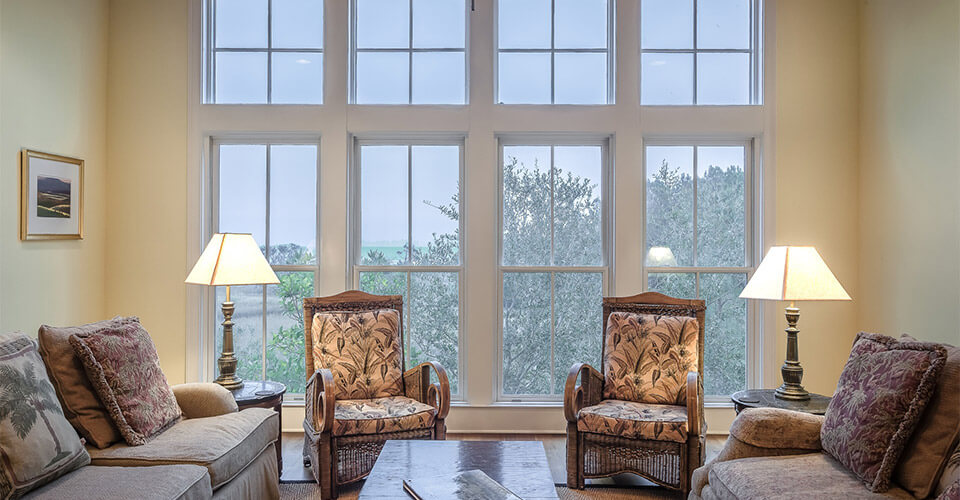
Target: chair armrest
x=416 y=385
x=587 y=393
x=776 y=428
x=695 y=422
x=320 y=400
x=204 y=399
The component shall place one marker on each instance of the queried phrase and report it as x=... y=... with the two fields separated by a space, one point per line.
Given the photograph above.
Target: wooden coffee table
x=520 y=466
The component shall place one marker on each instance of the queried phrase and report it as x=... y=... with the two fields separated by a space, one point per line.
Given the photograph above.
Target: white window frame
x=209 y=297
x=755 y=51
x=410 y=50
x=606 y=173
x=355 y=232
x=210 y=57
x=553 y=51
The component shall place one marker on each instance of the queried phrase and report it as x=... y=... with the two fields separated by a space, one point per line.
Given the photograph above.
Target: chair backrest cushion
x=646 y=357
x=362 y=350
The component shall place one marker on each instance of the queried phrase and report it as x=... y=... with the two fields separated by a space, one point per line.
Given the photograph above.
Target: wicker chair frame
x=591 y=455
x=339 y=460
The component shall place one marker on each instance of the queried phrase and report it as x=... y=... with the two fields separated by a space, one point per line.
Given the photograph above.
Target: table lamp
x=231 y=259
x=793 y=273
x=660 y=257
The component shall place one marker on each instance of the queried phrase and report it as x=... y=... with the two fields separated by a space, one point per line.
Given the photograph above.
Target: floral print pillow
x=123 y=366
x=881 y=395
x=362 y=350
x=646 y=357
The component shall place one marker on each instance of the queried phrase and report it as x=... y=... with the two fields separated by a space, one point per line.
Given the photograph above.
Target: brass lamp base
x=791 y=371
x=227 y=362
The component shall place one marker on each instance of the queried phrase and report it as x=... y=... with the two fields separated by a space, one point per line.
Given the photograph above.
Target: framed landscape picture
x=51 y=196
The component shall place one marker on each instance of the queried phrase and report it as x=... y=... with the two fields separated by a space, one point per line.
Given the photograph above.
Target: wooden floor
x=554 y=444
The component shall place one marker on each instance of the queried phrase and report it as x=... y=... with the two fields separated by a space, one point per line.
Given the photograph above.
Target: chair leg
x=440 y=430
x=323 y=468
x=306 y=450
x=574 y=458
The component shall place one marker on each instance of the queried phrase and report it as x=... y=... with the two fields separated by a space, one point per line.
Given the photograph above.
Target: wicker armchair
x=359 y=393
x=616 y=421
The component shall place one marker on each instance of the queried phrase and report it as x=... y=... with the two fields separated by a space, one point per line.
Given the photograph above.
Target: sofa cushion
x=123 y=366
x=373 y=416
x=166 y=482
x=362 y=350
x=951 y=473
x=812 y=475
x=777 y=428
x=646 y=357
x=224 y=444
x=37 y=443
x=635 y=420
x=80 y=403
x=881 y=395
x=927 y=452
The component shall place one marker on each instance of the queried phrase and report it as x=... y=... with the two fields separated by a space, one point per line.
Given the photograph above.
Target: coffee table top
x=520 y=466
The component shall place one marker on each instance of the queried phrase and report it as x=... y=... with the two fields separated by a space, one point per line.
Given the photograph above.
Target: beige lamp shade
x=793 y=273
x=232 y=259
x=661 y=257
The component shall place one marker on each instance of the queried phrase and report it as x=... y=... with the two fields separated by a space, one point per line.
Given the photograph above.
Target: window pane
x=578 y=239
x=241 y=24
x=578 y=323
x=581 y=78
x=297 y=78
x=382 y=78
x=383 y=24
x=435 y=205
x=247 y=329
x=524 y=24
x=243 y=197
x=285 y=355
x=434 y=322
x=581 y=24
x=669 y=206
x=666 y=24
x=438 y=78
x=723 y=24
x=524 y=78
x=383 y=211
x=439 y=24
x=721 y=215
x=293 y=204
x=297 y=24
x=666 y=78
x=725 y=345
x=385 y=283
x=241 y=77
x=723 y=78
x=526 y=333
x=677 y=285
x=526 y=205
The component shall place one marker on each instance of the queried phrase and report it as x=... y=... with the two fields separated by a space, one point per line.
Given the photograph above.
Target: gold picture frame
x=51 y=196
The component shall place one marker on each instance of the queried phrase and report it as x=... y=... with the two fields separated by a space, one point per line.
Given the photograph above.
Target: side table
x=766 y=398
x=264 y=394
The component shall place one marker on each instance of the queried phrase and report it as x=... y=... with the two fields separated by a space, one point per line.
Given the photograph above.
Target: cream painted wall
x=910 y=168
x=53 y=77
x=147 y=126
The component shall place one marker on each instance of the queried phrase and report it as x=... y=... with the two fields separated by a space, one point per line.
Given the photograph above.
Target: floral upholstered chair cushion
x=647 y=357
x=362 y=350
x=635 y=420
x=37 y=443
x=373 y=416
x=881 y=395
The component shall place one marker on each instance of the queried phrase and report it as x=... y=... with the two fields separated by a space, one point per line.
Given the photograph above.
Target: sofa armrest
x=776 y=428
x=320 y=400
x=204 y=399
x=588 y=393
x=416 y=384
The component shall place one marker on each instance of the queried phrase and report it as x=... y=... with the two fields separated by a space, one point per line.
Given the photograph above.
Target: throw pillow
x=362 y=350
x=37 y=443
x=928 y=451
x=881 y=395
x=123 y=366
x=80 y=403
x=646 y=357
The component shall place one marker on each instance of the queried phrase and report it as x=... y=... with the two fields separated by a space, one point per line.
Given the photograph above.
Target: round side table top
x=766 y=398
x=254 y=391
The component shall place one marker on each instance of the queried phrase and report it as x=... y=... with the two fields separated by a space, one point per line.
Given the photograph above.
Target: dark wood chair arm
x=694 y=403
x=416 y=382
x=321 y=400
x=587 y=393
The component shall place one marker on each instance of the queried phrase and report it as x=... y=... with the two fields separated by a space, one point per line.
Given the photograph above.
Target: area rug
x=309 y=491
